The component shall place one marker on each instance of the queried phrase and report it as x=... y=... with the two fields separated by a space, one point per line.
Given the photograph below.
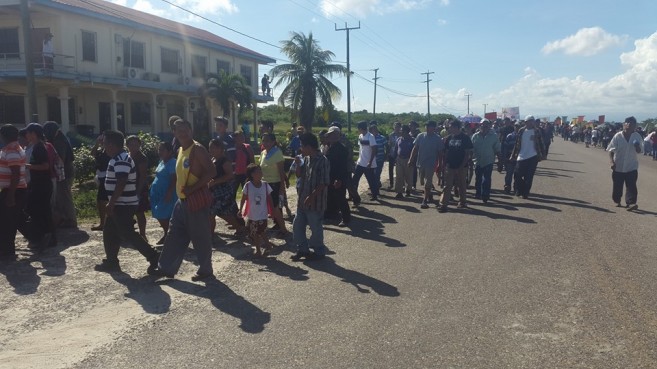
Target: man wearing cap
x=338 y=157
x=527 y=152
x=48 y=52
x=485 y=146
x=221 y=129
x=623 y=148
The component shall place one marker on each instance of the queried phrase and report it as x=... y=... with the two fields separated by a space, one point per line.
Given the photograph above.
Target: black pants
x=11 y=218
x=38 y=209
x=629 y=180
x=337 y=202
x=119 y=227
x=391 y=171
x=524 y=175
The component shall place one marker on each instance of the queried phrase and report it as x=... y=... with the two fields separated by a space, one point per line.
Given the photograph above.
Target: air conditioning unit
x=193 y=105
x=130 y=73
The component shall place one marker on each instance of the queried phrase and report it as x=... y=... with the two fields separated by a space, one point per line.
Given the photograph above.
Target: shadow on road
x=556 y=200
x=253 y=319
x=540 y=172
x=275 y=266
x=369 y=229
x=357 y=279
x=565 y=161
x=479 y=211
x=22 y=276
x=402 y=205
x=149 y=295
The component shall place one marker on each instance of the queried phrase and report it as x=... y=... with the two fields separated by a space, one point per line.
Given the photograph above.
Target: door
x=38 y=36
x=104 y=116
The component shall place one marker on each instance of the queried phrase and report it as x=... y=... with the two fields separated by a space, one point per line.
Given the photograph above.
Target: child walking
x=256 y=195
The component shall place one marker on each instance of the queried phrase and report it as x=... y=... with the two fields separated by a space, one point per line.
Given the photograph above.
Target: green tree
x=229 y=91
x=306 y=78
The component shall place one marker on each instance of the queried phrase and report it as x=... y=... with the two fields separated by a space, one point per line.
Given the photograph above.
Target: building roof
x=115 y=13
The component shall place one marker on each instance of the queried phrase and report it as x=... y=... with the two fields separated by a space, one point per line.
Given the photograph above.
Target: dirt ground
x=56 y=310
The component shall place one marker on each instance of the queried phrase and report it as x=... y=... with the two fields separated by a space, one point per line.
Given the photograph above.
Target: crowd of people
x=194 y=183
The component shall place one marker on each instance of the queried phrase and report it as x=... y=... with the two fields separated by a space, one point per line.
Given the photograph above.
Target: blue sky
x=547 y=57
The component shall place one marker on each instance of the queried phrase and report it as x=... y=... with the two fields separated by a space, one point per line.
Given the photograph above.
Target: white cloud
x=442 y=22
x=586 y=42
x=632 y=92
x=202 y=7
x=362 y=8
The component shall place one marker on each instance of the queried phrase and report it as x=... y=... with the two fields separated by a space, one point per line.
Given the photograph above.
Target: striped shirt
x=316 y=174
x=122 y=166
x=12 y=155
x=381 y=143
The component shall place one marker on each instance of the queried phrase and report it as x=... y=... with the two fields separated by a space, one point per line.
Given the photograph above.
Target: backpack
x=56 y=163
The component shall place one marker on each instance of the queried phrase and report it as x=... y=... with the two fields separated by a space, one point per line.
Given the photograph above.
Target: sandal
x=97 y=228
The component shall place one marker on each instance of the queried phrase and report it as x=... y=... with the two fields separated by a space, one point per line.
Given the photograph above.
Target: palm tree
x=229 y=91
x=306 y=77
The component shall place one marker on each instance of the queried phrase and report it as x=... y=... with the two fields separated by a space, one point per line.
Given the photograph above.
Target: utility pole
x=376 y=70
x=468 y=96
x=347 y=28
x=29 y=64
x=485 y=105
x=428 y=97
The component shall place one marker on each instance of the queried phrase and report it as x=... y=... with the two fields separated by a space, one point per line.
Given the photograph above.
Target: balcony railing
x=14 y=62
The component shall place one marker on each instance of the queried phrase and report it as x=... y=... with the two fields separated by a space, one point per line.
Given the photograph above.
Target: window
x=199 y=64
x=88 y=46
x=223 y=65
x=245 y=71
x=169 y=61
x=140 y=113
x=9 y=43
x=12 y=109
x=133 y=53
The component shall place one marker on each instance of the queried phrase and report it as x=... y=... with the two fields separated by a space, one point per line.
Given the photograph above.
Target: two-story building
x=113 y=67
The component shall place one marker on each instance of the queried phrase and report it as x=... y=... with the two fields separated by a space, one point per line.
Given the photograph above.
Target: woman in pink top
x=13 y=190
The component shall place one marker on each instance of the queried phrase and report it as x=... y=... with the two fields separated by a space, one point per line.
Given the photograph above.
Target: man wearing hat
x=48 y=52
x=338 y=157
x=528 y=151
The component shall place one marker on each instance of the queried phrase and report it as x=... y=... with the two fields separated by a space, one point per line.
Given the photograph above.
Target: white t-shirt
x=256 y=200
x=527 y=146
x=624 y=152
x=365 y=144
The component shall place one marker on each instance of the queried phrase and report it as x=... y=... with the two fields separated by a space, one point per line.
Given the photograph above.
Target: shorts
x=275 y=194
x=102 y=194
x=256 y=228
x=426 y=176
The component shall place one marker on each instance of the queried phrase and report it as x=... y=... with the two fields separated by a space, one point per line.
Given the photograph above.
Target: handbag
x=201 y=198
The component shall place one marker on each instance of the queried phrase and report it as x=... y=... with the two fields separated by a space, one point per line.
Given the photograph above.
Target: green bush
x=84 y=163
x=84 y=200
x=150 y=144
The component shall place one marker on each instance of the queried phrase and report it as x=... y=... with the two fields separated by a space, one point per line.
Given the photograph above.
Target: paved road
x=562 y=280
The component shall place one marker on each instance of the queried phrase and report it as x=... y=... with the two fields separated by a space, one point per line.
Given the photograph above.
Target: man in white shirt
x=366 y=163
x=624 y=164
x=529 y=150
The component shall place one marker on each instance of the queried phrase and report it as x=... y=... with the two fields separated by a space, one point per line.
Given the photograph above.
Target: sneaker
x=373 y=198
x=108 y=266
x=399 y=196
x=462 y=206
x=157 y=272
x=315 y=256
x=424 y=205
x=442 y=209
x=632 y=207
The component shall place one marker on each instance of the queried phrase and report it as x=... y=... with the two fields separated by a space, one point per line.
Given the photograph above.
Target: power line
x=220 y=25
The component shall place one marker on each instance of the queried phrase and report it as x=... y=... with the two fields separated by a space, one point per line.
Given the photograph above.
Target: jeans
x=313 y=219
x=510 y=168
x=524 y=176
x=629 y=180
x=370 y=175
x=483 y=181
